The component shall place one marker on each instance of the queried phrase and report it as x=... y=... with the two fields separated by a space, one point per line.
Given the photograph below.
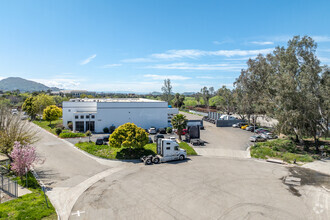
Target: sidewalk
x=322 y=166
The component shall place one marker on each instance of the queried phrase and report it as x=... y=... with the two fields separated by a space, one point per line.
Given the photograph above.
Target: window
x=168 y=148
x=87 y=116
x=92 y=127
x=69 y=110
x=76 y=117
x=80 y=126
x=176 y=148
x=93 y=116
x=168 y=143
x=81 y=117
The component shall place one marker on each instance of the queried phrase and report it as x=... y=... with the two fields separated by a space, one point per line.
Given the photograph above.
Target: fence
x=8 y=186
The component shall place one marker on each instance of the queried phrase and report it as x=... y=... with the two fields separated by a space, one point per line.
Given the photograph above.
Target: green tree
x=128 y=135
x=167 y=91
x=179 y=122
x=41 y=101
x=178 y=100
x=29 y=107
x=52 y=113
x=206 y=96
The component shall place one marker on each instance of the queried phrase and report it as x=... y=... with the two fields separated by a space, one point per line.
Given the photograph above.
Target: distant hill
x=189 y=93
x=14 y=83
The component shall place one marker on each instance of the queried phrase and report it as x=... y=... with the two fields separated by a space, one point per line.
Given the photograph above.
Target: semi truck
x=193 y=135
x=195 y=123
x=167 y=150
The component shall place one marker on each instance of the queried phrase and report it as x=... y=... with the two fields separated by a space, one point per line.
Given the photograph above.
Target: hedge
x=71 y=135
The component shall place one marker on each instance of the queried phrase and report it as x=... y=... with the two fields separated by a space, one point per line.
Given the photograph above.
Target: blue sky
x=133 y=45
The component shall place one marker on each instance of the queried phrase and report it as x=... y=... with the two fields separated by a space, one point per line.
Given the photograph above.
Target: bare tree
x=167 y=91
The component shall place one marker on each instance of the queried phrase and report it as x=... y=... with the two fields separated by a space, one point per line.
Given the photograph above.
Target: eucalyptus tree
x=167 y=91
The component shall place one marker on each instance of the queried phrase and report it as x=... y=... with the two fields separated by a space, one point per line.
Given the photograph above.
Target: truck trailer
x=167 y=150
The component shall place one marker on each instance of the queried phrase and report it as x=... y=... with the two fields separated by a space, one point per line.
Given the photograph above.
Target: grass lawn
x=281 y=149
x=30 y=206
x=45 y=125
x=108 y=152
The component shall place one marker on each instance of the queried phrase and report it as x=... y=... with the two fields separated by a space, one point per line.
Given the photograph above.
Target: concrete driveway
x=67 y=172
x=203 y=188
x=222 y=141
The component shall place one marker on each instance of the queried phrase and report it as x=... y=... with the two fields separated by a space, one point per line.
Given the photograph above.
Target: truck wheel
x=181 y=157
x=156 y=160
x=148 y=161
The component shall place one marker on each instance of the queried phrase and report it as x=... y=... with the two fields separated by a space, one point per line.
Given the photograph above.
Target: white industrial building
x=96 y=114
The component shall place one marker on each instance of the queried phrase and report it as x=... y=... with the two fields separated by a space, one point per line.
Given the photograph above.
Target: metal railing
x=9 y=186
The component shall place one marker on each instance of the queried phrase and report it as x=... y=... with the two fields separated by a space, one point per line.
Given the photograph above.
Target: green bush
x=169 y=130
x=112 y=129
x=71 y=135
x=106 y=130
x=70 y=126
x=88 y=133
x=58 y=131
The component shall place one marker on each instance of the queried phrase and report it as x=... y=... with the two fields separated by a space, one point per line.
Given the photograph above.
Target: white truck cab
x=167 y=150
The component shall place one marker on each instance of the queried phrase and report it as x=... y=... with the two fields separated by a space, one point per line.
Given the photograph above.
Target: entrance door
x=80 y=126
x=90 y=125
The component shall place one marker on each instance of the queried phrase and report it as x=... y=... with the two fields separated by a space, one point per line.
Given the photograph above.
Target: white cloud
x=138 y=60
x=111 y=65
x=191 y=66
x=61 y=83
x=89 y=59
x=324 y=59
x=162 y=77
x=262 y=42
x=194 y=54
x=215 y=77
x=321 y=38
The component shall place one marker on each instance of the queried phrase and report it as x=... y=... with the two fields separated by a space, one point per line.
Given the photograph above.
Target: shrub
x=66 y=131
x=128 y=135
x=60 y=125
x=106 y=130
x=112 y=129
x=71 y=135
x=58 y=131
x=88 y=133
x=169 y=130
x=70 y=126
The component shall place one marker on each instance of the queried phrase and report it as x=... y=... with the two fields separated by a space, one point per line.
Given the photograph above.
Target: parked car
x=261 y=130
x=251 y=128
x=244 y=127
x=257 y=138
x=99 y=141
x=235 y=125
x=156 y=137
x=150 y=141
x=106 y=138
x=162 y=131
x=152 y=130
x=268 y=135
x=239 y=124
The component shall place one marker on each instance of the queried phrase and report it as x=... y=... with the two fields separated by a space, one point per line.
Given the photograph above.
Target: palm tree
x=179 y=122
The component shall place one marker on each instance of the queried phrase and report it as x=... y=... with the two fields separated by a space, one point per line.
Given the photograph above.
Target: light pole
x=89 y=128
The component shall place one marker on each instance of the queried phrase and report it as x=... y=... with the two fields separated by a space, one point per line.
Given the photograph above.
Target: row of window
x=83 y=116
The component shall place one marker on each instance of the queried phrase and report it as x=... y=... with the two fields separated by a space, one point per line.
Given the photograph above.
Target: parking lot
x=222 y=141
x=201 y=188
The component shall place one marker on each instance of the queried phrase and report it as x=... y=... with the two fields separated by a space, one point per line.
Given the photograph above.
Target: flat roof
x=114 y=100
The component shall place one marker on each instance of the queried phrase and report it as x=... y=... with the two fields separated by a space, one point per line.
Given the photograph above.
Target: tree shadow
x=133 y=153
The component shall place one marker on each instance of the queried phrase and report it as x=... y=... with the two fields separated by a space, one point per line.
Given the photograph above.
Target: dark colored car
x=106 y=138
x=158 y=136
x=99 y=141
x=262 y=130
x=251 y=128
x=162 y=131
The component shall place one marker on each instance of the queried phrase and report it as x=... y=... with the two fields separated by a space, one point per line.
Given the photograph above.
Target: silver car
x=257 y=138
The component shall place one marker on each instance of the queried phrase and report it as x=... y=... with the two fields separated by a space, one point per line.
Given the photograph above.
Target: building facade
x=96 y=114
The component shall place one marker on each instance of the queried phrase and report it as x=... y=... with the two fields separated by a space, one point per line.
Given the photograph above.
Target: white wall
x=143 y=114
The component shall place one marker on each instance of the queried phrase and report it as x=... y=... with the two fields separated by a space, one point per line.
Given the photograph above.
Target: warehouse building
x=96 y=114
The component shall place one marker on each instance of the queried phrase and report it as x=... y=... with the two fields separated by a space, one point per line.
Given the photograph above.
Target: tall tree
x=179 y=122
x=52 y=113
x=206 y=96
x=29 y=107
x=178 y=100
x=167 y=91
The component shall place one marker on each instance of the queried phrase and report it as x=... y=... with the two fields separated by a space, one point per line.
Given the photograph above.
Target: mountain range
x=23 y=85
